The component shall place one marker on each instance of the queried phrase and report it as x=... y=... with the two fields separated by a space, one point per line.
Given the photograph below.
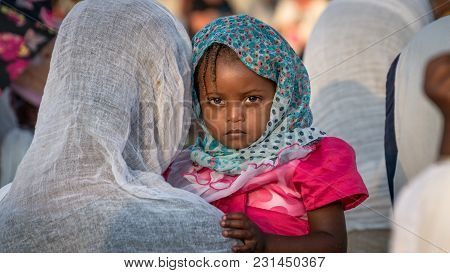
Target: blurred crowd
x=294 y=19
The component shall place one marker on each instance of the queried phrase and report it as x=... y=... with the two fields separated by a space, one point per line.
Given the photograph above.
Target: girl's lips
x=235 y=133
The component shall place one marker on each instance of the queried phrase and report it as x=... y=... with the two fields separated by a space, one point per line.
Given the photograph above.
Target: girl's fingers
x=239 y=224
x=243 y=248
x=242 y=234
x=234 y=216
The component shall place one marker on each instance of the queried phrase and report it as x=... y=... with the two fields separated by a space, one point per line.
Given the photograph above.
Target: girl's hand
x=238 y=226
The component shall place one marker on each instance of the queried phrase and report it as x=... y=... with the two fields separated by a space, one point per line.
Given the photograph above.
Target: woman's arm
x=327 y=233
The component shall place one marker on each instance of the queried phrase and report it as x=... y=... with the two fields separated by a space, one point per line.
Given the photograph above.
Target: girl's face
x=236 y=108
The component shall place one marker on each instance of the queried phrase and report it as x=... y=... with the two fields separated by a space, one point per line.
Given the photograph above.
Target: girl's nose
x=235 y=112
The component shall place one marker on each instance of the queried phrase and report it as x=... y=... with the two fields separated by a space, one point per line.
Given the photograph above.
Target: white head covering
x=111 y=119
x=348 y=56
x=418 y=122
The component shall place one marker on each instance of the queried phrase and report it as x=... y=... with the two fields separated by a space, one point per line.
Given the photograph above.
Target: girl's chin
x=236 y=144
x=235 y=141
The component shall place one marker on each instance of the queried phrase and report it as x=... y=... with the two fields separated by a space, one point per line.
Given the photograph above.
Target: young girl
x=282 y=185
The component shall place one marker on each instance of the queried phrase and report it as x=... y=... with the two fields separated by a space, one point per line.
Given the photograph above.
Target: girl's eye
x=216 y=101
x=253 y=99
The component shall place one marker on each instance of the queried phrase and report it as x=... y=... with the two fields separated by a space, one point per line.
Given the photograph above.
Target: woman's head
x=111 y=119
x=251 y=94
x=124 y=106
x=235 y=101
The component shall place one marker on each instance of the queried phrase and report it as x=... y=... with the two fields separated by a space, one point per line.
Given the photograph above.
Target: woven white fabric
x=348 y=56
x=114 y=113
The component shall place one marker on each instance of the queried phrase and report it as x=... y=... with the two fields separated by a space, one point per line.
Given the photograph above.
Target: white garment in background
x=348 y=56
x=115 y=111
x=421 y=215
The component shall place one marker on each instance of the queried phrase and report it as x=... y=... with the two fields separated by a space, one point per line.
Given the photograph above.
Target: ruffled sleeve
x=329 y=174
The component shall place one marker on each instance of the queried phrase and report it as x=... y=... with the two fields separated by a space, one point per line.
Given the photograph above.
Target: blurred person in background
x=348 y=55
x=261 y=9
x=198 y=13
x=295 y=19
x=401 y=164
x=27 y=31
x=441 y=8
x=421 y=222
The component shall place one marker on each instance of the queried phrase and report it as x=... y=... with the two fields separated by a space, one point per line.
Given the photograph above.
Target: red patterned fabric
x=280 y=205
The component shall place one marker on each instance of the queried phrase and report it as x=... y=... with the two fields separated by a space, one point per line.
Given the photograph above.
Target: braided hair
x=207 y=64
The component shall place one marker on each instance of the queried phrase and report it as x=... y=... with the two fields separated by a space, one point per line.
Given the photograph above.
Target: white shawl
x=114 y=113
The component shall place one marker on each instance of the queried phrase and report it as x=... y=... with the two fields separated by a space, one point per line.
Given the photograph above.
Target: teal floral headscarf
x=263 y=50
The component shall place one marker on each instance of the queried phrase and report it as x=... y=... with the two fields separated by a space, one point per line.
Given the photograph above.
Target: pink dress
x=285 y=194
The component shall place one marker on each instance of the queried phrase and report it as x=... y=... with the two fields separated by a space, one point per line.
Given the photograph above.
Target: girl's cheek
x=215 y=119
x=259 y=114
x=254 y=119
x=211 y=113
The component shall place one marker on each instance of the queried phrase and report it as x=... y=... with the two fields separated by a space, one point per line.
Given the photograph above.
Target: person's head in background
x=199 y=13
x=27 y=34
x=441 y=8
x=437 y=88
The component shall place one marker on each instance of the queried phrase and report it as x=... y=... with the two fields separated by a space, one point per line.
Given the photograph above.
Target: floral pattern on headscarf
x=25 y=28
x=263 y=50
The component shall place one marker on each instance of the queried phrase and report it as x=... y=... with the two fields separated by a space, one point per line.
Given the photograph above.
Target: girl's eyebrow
x=246 y=93
x=254 y=90
x=213 y=93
